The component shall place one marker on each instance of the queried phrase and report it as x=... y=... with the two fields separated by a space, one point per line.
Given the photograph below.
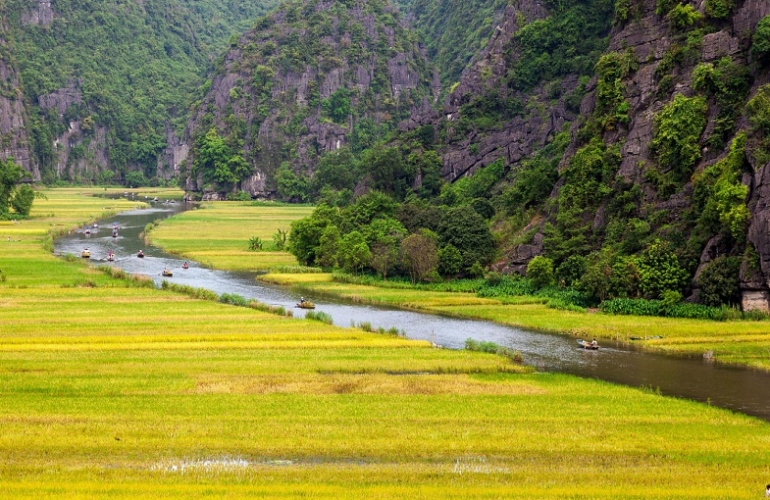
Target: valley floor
x=113 y=389
x=744 y=343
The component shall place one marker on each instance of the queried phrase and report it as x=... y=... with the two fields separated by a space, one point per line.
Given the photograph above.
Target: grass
x=114 y=390
x=222 y=233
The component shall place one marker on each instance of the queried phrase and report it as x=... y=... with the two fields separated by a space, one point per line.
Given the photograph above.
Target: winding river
x=738 y=389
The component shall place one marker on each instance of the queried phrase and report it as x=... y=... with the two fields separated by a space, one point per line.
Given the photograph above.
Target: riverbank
x=742 y=343
x=111 y=388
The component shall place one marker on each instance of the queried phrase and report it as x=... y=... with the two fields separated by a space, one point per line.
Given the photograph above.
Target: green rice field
x=110 y=389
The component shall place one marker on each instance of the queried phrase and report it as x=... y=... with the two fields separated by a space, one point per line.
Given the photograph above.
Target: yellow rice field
x=112 y=390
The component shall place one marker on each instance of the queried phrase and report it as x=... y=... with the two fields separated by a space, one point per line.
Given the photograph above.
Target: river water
x=738 y=389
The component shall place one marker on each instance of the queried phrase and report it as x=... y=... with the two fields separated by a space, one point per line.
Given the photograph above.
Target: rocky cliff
x=13 y=130
x=670 y=137
x=310 y=78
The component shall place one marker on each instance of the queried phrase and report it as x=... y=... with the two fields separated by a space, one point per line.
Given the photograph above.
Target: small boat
x=167 y=273
x=140 y=254
x=306 y=305
x=86 y=254
x=587 y=345
x=185 y=266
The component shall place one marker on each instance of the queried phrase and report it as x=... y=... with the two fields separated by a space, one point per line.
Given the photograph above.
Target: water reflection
x=742 y=390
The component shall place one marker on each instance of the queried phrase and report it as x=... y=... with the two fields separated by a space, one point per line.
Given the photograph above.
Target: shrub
x=660 y=270
x=255 y=243
x=760 y=46
x=678 y=127
x=720 y=282
x=571 y=270
x=319 y=316
x=684 y=16
x=233 y=299
x=540 y=272
x=449 y=261
x=719 y=9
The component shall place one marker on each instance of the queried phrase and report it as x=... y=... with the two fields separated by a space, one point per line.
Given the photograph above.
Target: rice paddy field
x=222 y=234
x=112 y=389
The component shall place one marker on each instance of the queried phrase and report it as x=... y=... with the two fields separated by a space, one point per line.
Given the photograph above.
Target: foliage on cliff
x=313 y=77
x=117 y=69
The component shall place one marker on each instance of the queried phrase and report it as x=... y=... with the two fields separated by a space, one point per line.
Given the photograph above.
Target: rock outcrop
x=303 y=81
x=13 y=131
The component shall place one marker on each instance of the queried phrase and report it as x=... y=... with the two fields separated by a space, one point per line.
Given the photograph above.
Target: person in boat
x=140 y=254
x=185 y=265
x=594 y=343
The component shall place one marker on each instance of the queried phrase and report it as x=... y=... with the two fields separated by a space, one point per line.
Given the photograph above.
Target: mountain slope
x=13 y=134
x=105 y=83
x=312 y=77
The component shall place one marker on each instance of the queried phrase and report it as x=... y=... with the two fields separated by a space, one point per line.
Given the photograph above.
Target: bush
x=760 y=46
x=720 y=282
x=492 y=348
x=540 y=272
x=678 y=127
x=719 y=9
x=319 y=316
x=233 y=299
x=643 y=307
x=660 y=271
x=684 y=16
x=449 y=261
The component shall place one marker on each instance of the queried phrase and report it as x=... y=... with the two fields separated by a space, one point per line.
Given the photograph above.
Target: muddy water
x=742 y=390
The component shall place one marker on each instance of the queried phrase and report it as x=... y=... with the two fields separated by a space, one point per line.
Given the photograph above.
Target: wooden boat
x=587 y=345
x=86 y=254
x=306 y=305
x=167 y=273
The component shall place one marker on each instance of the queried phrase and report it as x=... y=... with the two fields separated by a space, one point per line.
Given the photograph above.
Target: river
x=739 y=389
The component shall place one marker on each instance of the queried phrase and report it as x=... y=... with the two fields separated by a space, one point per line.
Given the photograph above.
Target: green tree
x=419 y=253
x=136 y=179
x=305 y=235
x=290 y=186
x=720 y=282
x=337 y=169
x=540 y=272
x=328 y=245
x=449 y=261
x=22 y=200
x=10 y=175
x=659 y=270
x=467 y=231
x=353 y=253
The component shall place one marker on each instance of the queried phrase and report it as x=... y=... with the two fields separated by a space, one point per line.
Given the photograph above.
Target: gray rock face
x=13 y=132
x=518 y=138
x=759 y=230
x=61 y=99
x=39 y=15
